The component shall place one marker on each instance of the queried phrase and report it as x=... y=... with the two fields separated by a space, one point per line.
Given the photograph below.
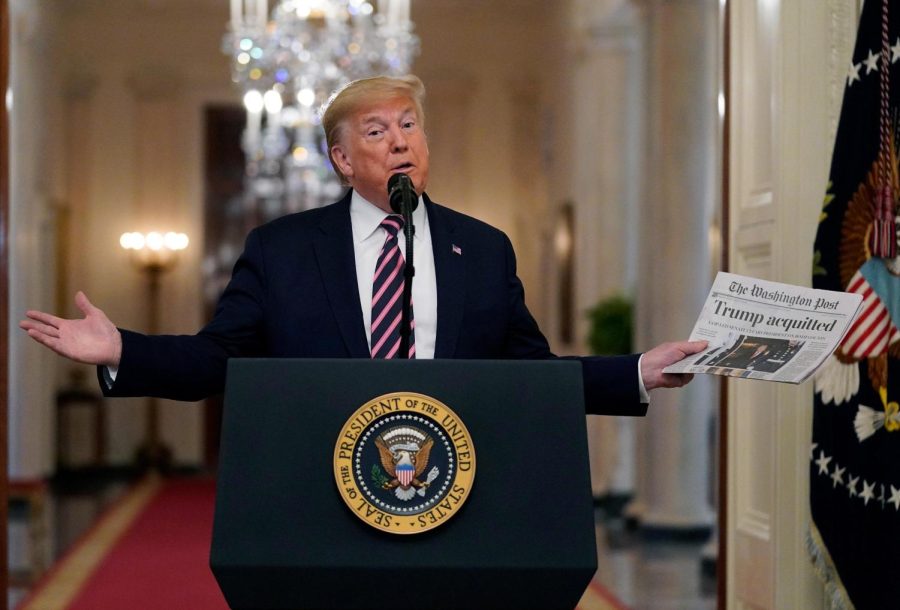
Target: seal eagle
x=404 y=455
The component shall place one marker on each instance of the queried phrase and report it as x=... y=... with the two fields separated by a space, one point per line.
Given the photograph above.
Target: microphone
x=402 y=194
x=403 y=201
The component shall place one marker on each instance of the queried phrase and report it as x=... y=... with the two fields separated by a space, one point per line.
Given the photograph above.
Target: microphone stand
x=408 y=271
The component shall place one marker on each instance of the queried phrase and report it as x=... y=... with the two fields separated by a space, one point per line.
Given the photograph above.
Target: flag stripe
x=866 y=324
x=855 y=282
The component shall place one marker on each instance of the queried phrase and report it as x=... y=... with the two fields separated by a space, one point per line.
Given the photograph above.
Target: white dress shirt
x=368 y=239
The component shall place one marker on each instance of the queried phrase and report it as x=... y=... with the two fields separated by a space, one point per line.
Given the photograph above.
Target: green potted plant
x=611 y=326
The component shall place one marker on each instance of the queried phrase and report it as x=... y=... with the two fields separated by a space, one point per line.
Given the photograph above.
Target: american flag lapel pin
x=456 y=249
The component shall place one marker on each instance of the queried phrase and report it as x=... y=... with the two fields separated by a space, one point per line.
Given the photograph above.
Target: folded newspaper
x=766 y=330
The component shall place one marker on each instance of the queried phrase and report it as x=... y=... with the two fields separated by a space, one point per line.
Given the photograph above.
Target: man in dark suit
x=324 y=283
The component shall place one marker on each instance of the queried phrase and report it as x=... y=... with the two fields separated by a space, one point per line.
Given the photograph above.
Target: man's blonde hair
x=354 y=96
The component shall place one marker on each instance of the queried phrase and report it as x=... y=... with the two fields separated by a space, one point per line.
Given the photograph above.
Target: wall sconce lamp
x=153 y=254
x=154 y=251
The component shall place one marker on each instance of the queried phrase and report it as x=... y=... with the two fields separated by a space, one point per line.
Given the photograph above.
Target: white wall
x=108 y=128
x=150 y=74
x=489 y=69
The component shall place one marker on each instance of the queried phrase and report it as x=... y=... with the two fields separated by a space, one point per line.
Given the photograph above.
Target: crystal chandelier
x=286 y=64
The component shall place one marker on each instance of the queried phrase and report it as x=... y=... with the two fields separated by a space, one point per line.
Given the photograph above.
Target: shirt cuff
x=645 y=395
x=110 y=372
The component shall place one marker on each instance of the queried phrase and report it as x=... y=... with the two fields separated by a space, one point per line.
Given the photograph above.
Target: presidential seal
x=404 y=463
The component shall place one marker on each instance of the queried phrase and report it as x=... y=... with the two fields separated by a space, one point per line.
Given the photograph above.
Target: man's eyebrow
x=372 y=118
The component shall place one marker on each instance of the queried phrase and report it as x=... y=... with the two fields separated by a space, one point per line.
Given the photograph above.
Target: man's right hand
x=654 y=361
x=92 y=339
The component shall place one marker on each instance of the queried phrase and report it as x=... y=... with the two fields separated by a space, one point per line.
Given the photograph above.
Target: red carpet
x=151 y=551
x=596 y=597
x=163 y=559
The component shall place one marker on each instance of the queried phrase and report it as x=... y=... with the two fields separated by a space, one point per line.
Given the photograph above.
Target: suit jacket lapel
x=450 y=275
x=337 y=264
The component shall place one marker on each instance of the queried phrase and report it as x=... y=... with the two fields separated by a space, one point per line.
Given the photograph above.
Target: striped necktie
x=387 y=296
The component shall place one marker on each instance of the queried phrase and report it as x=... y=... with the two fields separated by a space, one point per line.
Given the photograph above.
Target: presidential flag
x=854 y=535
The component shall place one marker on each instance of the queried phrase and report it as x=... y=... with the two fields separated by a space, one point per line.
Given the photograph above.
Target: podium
x=284 y=537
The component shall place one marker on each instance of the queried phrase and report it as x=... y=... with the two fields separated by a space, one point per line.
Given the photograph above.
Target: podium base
x=470 y=588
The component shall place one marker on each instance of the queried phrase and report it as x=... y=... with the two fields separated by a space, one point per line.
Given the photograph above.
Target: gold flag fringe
x=836 y=597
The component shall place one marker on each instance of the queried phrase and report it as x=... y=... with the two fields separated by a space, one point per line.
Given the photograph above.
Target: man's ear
x=340 y=158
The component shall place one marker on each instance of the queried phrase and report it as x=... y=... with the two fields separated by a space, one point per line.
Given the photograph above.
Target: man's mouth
x=403 y=168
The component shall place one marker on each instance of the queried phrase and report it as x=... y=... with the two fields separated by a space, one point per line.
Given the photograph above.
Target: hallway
x=150 y=546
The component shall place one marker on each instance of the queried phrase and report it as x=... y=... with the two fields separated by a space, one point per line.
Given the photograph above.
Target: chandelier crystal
x=287 y=63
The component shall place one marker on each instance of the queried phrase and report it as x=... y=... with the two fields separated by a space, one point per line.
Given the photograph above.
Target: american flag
x=456 y=249
x=872 y=331
x=854 y=470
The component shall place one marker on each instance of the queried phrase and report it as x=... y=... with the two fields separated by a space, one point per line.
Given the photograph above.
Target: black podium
x=283 y=536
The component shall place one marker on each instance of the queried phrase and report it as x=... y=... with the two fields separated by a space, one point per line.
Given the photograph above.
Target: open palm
x=92 y=339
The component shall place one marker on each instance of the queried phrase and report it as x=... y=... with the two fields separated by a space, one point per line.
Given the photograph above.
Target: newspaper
x=766 y=330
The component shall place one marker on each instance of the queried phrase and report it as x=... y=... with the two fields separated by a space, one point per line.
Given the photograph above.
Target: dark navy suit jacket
x=294 y=294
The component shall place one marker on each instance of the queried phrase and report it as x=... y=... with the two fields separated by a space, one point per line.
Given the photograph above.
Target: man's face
x=380 y=140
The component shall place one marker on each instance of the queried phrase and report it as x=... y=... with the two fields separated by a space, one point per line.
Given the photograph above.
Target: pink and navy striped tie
x=387 y=296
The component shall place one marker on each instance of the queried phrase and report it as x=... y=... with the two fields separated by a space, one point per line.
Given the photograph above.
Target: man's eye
x=374 y=132
x=409 y=124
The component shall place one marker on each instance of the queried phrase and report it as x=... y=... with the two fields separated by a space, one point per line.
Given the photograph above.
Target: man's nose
x=398 y=140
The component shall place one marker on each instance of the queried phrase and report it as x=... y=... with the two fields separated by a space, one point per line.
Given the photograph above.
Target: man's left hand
x=661 y=356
